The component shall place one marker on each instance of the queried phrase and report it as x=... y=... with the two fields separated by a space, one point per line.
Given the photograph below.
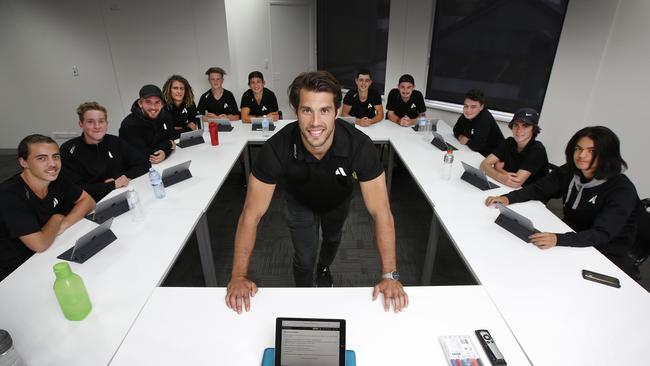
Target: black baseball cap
x=150 y=90
x=526 y=115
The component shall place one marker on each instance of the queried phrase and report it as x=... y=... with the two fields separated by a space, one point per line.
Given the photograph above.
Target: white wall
x=117 y=46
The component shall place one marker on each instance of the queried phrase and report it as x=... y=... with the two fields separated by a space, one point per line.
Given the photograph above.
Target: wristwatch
x=391 y=276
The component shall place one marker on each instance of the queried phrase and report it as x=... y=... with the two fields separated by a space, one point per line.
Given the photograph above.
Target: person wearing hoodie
x=600 y=202
x=96 y=161
x=149 y=127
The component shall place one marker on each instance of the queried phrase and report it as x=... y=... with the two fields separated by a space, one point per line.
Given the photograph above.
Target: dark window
x=353 y=34
x=504 y=47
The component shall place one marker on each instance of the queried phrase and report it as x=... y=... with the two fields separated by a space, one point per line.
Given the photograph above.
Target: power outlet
x=75 y=71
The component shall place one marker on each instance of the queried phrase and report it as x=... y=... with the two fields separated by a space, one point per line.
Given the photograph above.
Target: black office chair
x=641 y=249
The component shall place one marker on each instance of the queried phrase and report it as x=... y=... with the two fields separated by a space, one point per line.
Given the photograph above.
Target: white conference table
x=119 y=280
x=192 y=326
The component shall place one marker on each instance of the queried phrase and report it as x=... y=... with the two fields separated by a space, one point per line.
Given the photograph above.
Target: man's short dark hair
x=536 y=129
x=363 y=72
x=475 y=95
x=607 y=151
x=406 y=78
x=255 y=74
x=316 y=81
x=90 y=106
x=23 y=146
x=215 y=70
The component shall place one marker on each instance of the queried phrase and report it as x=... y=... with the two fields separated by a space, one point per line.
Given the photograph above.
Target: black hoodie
x=603 y=213
x=88 y=166
x=147 y=135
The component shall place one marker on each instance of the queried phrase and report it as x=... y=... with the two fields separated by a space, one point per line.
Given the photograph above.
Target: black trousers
x=304 y=225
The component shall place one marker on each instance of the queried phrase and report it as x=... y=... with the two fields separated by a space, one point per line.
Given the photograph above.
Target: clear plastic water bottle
x=156 y=183
x=265 y=126
x=135 y=206
x=447 y=164
x=423 y=128
x=71 y=293
x=8 y=354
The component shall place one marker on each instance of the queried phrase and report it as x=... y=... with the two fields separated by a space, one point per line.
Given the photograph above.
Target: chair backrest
x=641 y=249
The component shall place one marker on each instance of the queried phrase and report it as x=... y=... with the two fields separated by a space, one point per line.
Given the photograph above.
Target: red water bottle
x=214 y=134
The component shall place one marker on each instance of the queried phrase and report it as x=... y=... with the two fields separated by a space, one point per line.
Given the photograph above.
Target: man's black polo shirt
x=268 y=104
x=411 y=108
x=532 y=158
x=362 y=109
x=23 y=213
x=225 y=105
x=320 y=185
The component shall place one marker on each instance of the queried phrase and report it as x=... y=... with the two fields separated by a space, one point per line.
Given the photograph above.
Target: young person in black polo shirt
x=258 y=101
x=405 y=104
x=99 y=162
x=149 y=127
x=476 y=127
x=315 y=161
x=520 y=159
x=364 y=102
x=600 y=202
x=218 y=102
x=37 y=204
x=179 y=102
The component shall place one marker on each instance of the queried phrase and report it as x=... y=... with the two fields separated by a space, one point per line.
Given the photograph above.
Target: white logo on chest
x=110 y=155
x=340 y=171
x=264 y=108
x=412 y=105
x=225 y=105
x=592 y=200
x=55 y=201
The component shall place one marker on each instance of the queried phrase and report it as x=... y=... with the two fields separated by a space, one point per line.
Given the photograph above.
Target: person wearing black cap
x=476 y=127
x=520 y=159
x=258 y=101
x=149 y=127
x=600 y=202
x=364 y=102
x=218 y=102
x=405 y=104
x=37 y=204
x=99 y=162
x=315 y=161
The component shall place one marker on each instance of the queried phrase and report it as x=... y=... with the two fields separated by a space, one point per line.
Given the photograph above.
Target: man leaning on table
x=37 y=204
x=149 y=127
x=97 y=161
x=315 y=161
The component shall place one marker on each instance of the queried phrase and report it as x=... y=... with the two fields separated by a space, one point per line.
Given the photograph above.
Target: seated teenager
x=364 y=102
x=179 y=102
x=99 y=162
x=37 y=204
x=476 y=127
x=218 y=102
x=149 y=127
x=521 y=159
x=600 y=202
x=258 y=101
x=405 y=104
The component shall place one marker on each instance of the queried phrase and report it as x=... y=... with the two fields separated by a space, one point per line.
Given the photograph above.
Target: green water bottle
x=71 y=293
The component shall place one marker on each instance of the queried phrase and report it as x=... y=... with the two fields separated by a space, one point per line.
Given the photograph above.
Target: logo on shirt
x=471 y=132
x=340 y=171
x=110 y=155
x=164 y=125
x=369 y=105
x=55 y=201
x=184 y=110
x=412 y=105
x=264 y=108
x=72 y=149
x=225 y=105
x=592 y=200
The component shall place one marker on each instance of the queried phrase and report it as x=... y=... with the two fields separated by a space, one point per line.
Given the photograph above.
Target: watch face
x=395 y=275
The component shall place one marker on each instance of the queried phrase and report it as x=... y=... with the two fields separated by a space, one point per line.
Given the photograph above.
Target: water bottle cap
x=150 y=169
x=5 y=341
x=62 y=269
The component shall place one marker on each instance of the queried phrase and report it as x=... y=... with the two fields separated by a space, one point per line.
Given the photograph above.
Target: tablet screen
x=310 y=342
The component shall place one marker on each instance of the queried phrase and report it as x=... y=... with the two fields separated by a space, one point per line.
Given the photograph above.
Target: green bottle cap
x=62 y=269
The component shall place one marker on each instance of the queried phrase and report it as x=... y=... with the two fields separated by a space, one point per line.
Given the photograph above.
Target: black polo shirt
x=364 y=108
x=532 y=158
x=268 y=104
x=182 y=116
x=225 y=105
x=411 y=108
x=320 y=185
x=22 y=213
